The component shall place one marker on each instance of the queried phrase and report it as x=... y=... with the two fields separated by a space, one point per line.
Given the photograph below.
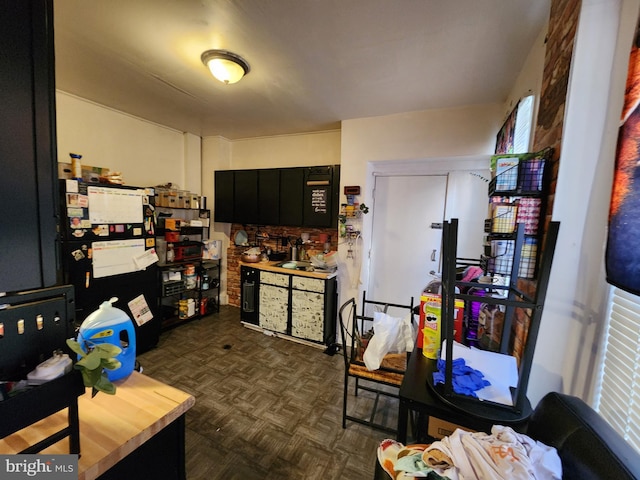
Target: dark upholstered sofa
x=587 y=445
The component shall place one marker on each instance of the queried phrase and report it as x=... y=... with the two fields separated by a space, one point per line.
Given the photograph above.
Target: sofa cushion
x=588 y=446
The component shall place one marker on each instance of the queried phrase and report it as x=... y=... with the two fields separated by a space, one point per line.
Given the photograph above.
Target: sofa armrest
x=587 y=445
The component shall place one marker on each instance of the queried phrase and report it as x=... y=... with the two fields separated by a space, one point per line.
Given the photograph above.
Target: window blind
x=524 y=125
x=618 y=399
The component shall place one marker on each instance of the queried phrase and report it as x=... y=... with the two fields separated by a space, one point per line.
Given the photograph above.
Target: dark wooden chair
x=355 y=332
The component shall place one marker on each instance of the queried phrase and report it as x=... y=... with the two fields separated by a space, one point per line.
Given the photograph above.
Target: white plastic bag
x=390 y=335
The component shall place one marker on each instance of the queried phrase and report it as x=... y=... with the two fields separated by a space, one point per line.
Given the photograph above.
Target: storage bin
x=172 y=198
x=172 y=288
x=172 y=224
x=503 y=218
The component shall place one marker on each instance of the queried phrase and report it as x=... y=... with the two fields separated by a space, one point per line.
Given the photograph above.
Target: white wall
x=321 y=148
x=192 y=163
x=566 y=357
x=216 y=155
x=529 y=79
x=147 y=154
x=433 y=141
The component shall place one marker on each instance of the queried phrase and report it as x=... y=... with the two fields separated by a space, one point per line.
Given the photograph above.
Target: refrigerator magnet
x=72 y=200
x=137 y=231
x=150 y=242
x=75 y=222
x=75 y=212
x=101 y=230
x=83 y=201
x=77 y=255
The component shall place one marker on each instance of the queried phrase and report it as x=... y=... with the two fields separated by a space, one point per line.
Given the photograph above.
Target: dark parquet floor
x=266 y=407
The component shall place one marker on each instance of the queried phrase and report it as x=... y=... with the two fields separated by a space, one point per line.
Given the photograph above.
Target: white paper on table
x=499 y=369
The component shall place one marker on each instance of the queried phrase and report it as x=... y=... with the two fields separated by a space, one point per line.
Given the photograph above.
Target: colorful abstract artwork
x=623 y=252
x=506 y=135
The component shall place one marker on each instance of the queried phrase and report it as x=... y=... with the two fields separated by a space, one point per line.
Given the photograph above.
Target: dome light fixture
x=225 y=66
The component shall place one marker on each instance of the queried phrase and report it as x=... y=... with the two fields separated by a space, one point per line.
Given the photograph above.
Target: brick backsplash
x=274 y=241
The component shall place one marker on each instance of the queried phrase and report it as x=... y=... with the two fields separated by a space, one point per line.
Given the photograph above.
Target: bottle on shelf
x=76 y=166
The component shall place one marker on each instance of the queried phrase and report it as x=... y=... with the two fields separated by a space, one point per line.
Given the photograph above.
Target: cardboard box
x=439 y=428
x=172 y=224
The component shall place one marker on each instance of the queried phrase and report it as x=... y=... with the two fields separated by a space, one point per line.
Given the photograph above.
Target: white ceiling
x=313 y=62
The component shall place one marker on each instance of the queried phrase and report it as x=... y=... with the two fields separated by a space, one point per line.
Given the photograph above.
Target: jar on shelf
x=76 y=166
x=190 y=276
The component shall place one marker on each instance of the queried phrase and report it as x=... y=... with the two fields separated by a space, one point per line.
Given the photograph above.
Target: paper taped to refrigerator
x=115 y=205
x=116 y=257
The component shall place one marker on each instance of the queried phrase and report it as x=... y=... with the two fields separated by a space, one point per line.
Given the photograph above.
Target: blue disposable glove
x=465 y=380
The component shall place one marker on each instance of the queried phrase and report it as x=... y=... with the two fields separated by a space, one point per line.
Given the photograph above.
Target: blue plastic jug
x=111 y=325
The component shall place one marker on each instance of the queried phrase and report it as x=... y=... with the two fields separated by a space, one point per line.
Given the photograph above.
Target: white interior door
x=406 y=244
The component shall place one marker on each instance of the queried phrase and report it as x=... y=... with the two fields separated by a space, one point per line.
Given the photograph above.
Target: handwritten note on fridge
x=115 y=205
x=116 y=257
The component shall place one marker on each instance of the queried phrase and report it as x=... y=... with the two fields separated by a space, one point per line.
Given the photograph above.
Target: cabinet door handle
x=433 y=255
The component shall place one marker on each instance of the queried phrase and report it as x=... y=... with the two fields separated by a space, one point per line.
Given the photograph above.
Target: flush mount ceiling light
x=225 y=66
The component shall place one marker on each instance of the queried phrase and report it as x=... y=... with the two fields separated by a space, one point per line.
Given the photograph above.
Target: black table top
x=418 y=393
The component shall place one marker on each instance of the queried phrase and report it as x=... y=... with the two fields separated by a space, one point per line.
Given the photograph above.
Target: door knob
x=433 y=255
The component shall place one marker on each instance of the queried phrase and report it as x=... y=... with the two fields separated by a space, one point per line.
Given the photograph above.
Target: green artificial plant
x=92 y=365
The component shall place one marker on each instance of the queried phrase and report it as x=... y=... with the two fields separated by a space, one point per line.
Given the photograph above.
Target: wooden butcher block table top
x=111 y=426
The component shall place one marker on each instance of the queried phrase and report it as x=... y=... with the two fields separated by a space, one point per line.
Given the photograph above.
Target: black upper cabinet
x=335 y=182
x=223 y=196
x=29 y=257
x=245 y=195
x=300 y=196
x=269 y=196
x=291 y=196
x=318 y=196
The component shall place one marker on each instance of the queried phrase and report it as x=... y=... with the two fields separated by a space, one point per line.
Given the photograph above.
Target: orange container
x=172 y=223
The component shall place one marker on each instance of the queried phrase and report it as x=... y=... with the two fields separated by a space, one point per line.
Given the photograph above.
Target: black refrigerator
x=108 y=250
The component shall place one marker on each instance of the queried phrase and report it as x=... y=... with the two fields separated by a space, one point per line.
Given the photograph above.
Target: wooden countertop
x=111 y=426
x=271 y=267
